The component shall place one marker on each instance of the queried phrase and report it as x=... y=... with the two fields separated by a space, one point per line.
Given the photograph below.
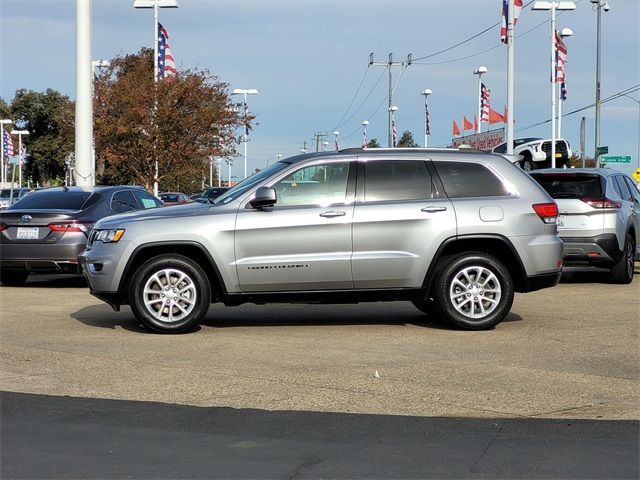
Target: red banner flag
x=466 y=124
x=455 y=130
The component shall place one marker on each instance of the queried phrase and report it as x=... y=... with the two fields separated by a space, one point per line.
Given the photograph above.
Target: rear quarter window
x=466 y=179
x=571 y=185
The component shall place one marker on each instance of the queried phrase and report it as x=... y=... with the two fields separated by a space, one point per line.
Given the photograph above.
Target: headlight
x=109 y=236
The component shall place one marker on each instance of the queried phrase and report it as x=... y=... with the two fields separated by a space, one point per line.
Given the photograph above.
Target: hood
x=153 y=214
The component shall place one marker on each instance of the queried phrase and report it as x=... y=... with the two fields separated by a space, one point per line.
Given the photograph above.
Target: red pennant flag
x=505 y=115
x=455 y=130
x=475 y=123
x=466 y=124
x=495 y=117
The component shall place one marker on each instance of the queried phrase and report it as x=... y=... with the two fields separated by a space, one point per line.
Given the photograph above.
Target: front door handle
x=433 y=209
x=332 y=213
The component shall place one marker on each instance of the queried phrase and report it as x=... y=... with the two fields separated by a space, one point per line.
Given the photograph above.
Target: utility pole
x=318 y=136
x=389 y=64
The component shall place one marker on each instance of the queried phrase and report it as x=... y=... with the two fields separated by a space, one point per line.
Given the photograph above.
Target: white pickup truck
x=536 y=152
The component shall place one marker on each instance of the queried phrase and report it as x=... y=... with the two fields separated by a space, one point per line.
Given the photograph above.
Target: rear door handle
x=332 y=213
x=433 y=209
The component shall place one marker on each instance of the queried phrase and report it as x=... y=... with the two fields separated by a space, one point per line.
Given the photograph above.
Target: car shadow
x=56 y=281
x=577 y=275
x=103 y=316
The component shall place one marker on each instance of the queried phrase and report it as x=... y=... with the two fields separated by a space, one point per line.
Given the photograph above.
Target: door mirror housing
x=265 y=197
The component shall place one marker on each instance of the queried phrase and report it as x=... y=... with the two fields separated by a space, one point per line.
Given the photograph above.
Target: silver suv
x=599 y=219
x=455 y=232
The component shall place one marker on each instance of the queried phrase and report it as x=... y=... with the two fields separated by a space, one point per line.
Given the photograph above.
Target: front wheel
x=170 y=294
x=474 y=291
x=527 y=162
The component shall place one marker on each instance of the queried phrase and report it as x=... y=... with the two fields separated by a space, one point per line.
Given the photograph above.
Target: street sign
x=615 y=159
x=602 y=150
x=636 y=175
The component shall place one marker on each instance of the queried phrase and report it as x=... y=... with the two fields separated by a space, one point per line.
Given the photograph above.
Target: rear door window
x=389 y=180
x=146 y=200
x=624 y=192
x=570 y=185
x=633 y=189
x=466 y=179
x=123 y=201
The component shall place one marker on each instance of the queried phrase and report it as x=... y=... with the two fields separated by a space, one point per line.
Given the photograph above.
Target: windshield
x=169 y=197
x=249 y=183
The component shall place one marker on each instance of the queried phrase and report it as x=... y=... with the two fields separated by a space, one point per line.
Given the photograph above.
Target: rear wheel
x=622 y=271
x=13 y=278
x=170 y=294
x=527 y=162
x=474 y=291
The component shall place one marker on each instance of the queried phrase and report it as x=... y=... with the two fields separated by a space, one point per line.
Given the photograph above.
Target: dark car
x=174 y=198
x=211 y=193
x=46 y=230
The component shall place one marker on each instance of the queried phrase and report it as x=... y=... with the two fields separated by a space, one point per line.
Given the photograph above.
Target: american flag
x=166 y=65
x=246 y=120
x=364 y=140
x=7 y=143
x=485 y=93
x=394 y=132
x=517 y=6
x=427 y=124
x=563 y=91
x=337 y=148
x=561 y=59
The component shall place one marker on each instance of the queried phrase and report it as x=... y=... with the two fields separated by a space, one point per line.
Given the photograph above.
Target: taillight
x=548 y=212
x=67 y=227
x=602 y=203
x=3 y=227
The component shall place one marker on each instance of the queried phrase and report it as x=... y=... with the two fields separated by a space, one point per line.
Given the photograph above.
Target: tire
x=527 y=162
x=492 y=294
x=622 y=271
x=13 y=278
x=166 y=314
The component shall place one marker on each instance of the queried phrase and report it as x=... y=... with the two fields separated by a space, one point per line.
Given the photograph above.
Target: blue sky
x=307 y=58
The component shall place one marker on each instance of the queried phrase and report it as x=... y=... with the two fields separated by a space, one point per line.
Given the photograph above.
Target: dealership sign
x=480 y=141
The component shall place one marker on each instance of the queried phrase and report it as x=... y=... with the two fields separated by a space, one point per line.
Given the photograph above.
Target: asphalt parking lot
x=567 y=352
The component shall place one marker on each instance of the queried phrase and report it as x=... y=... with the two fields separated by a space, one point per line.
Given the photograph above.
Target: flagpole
x=553 y=84
x=510 y=76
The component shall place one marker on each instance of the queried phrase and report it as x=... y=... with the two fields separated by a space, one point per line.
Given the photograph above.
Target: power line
x=353 y=98
x=362 y=103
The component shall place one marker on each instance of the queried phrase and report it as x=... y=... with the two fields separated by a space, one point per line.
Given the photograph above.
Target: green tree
x=49 y=118
x=406 y=140
x=373 y=143
x=179 y=122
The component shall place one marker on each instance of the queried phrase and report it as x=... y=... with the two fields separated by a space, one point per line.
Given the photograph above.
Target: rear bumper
x=544 y=280
x=41 y=258
x=601 y=250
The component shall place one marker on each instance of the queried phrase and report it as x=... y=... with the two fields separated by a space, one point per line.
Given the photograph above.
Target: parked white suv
x=536 y=152
x=599 y=217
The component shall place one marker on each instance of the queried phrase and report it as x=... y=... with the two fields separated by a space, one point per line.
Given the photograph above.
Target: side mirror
x=265 y=197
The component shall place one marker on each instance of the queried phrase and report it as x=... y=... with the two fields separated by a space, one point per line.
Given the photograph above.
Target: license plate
x=27 y=233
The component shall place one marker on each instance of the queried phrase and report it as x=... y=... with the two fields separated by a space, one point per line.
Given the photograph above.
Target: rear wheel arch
x=496 y=245
x=192 y=250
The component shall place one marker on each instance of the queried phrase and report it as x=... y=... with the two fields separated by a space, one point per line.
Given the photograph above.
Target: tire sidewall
x=444 y=305
x=177 y=262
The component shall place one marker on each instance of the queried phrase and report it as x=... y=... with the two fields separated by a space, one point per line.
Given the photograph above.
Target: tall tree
x=373 y=143
x=406 y=140
x=49 y=118
x=179 y=122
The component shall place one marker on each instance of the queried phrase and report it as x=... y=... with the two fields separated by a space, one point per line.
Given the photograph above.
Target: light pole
x=325 y=144
x=155 y=4
x=335 y=136
x=553 y=7
x=245 y=92
x=566 y=32
x=364 y=133
x=600 y=4
x=20 y=154
x=3 y=122
x=638 y=102
x=480 y=71
x=394 y=130
x=427 y=129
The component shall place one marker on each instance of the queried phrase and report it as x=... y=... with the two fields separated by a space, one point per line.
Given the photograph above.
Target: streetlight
x=245 y=92
x=3 y=122
x=335 y=135
x=479 y=71
x=20 y=154
x=600 y=4
x=427 y=129
x=155 y=4
x=553 y=6
x=325 y=144
x=394 y=130
x=364 y=132
x=638 y=102
x=566 y=32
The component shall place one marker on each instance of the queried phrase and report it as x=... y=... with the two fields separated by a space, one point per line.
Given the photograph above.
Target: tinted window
x=461 y=179
x=53 y=199
x=123 y=201
x=502 y=148
x=169 y=197
x=322 y=184
x=146 y=200
x=633 y=189
x=572 y=185
x=623 y=191
x=387 y=180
